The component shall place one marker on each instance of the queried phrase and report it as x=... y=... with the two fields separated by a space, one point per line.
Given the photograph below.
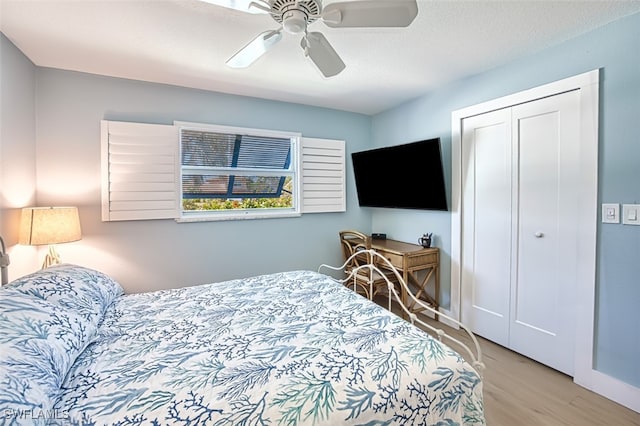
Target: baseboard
x=445 y=321
x=614 y=389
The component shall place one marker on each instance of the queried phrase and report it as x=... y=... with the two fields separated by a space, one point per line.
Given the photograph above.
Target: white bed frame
x=474 y=354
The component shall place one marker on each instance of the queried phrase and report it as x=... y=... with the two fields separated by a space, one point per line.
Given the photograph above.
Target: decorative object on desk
x=379 y=236
x=49 y=225
x=4 y=262
x=425 y=240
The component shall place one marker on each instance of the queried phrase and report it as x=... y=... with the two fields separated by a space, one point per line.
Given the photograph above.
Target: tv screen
x=408 y=176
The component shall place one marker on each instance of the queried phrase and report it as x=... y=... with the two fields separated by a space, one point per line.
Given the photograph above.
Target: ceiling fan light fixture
x=294 y=22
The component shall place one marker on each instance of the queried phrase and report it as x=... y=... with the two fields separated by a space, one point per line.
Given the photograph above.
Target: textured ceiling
x=186 y=43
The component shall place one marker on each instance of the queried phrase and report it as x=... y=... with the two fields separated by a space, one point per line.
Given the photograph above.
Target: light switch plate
x=610 y=213
x=631 y=214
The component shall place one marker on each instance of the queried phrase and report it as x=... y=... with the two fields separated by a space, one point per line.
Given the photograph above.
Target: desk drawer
x=422 y=259
x=395 y=259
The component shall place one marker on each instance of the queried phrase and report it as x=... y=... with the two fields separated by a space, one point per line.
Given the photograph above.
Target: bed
x=293 y=348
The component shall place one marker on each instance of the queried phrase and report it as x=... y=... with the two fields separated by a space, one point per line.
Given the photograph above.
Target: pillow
x=77 y=289
x=47 y=319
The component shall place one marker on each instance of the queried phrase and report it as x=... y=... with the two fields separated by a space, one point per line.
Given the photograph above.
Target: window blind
x=323 y=175
x=140 y=171
x=219 y=165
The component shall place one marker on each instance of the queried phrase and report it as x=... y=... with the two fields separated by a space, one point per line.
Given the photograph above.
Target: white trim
x=588 y=84
x=616 y=390
x=236 y=130
x=571 y=83
x=196 y=217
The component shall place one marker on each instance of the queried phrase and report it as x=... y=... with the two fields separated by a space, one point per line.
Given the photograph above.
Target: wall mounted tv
x=408 y=176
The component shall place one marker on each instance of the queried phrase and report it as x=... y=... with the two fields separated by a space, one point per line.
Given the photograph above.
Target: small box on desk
x=378 y=236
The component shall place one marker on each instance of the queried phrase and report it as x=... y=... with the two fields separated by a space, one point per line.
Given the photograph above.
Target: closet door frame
x=588 y=84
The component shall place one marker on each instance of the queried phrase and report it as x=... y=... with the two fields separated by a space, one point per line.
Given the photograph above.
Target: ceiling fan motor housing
x=295 y=15
x=294 y=22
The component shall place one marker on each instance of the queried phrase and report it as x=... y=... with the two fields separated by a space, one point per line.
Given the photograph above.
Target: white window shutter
x=323 y=175
x=140 y=171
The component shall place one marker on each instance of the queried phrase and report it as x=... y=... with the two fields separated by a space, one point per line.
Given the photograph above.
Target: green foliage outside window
x=199 y=204
x=237 y=204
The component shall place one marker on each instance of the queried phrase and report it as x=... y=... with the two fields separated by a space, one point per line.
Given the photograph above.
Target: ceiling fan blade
x=370 y=13
x=256 y=48
x=250 y=6
x=317 y=47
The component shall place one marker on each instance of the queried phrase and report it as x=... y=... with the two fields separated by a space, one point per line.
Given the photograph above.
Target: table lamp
x=49 y=225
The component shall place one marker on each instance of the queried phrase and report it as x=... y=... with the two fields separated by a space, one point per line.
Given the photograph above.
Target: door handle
x=539 y=234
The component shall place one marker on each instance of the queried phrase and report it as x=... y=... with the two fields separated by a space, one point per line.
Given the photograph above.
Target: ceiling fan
x=295 y=16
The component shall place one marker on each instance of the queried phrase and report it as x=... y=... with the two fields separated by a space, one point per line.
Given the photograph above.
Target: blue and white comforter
x=284 y=349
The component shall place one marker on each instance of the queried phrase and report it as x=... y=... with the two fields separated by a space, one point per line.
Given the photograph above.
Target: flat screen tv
x=408 y=176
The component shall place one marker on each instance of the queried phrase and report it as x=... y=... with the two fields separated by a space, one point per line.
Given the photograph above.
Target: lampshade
x=49 y=225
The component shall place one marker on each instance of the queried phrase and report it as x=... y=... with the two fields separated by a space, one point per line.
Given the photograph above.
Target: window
x=238 y=172
x=193 y=172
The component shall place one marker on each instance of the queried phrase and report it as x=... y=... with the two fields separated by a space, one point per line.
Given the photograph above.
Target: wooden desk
x=413 y=260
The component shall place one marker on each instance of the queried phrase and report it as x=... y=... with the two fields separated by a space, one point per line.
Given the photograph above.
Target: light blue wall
x=17 y=148
x=51 y=129
x=615 y=49
x=147 y=255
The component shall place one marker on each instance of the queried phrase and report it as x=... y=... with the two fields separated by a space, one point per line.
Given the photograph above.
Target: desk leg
x=421 y=286
x=436 y=294
x=403 y=293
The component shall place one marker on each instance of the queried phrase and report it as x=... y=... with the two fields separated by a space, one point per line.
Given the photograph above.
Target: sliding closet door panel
x=546 y=134
x=486 y=265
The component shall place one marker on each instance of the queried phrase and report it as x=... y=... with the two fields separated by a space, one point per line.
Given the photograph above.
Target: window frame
x=295 y=170
x=141 y=180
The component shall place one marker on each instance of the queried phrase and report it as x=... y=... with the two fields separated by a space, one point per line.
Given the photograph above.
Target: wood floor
x=520 y=391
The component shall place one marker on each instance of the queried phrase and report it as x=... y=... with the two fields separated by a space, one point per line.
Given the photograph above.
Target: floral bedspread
x=294 y=348
x=284 y=349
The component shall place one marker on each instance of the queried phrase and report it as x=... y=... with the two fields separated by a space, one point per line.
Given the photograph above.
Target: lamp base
x=52 y=258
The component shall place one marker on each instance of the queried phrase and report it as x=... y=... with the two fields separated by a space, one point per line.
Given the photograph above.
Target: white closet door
x=520 y=170
x=546 y=135
x=486 y=206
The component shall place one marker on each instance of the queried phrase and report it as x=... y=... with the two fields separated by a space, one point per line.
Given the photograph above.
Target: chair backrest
x=352 y=242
